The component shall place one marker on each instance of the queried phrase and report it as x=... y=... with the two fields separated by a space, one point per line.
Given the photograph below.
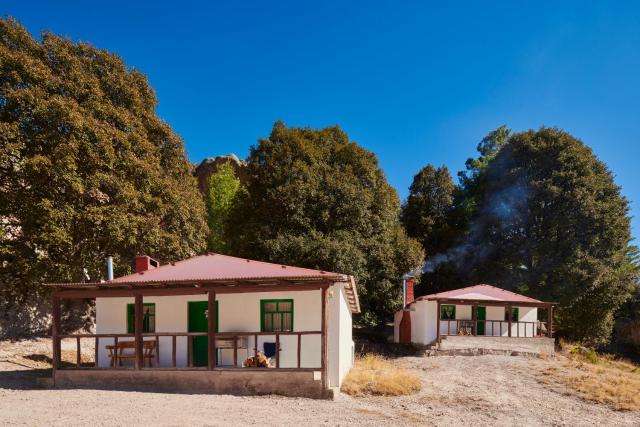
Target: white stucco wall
x=340 y=339
x=424 y=323
x=423 y=331
x=241 y=313
x=397 y=318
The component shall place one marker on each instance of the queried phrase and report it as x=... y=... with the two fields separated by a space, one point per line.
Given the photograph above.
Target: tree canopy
x=87 y=170
x=543 y=217
x=316 y=199
x=426 y=213
x=557 y=228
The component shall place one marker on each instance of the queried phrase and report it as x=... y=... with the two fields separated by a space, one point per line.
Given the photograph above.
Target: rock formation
x=210 y=165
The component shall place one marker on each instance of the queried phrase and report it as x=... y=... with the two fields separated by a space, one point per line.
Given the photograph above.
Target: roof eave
x=488 y=301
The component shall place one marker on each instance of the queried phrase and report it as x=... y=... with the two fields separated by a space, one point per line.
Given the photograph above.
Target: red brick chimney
x=408 y=290
x=144 y=263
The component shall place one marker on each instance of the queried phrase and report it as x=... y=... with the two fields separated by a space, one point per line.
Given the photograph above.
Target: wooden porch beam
x=123 y=292
x=438 y=323
x=550 y=321
x=474 y=316
x=138 y=331
x=493 y=303
x=323 y=328
x=211 y=329
x=55 y=332
x=509 y=317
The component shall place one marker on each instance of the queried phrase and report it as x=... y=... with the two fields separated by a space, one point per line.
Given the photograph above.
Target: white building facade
x=480 y=310
x=205 y=323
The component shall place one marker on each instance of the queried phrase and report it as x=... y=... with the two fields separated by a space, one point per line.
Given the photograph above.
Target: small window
x=515 y=314
x=276 y=315
x=447 y=312
x=148 y=318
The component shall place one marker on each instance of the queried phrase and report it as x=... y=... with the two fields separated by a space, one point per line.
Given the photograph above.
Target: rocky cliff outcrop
x=210 y=165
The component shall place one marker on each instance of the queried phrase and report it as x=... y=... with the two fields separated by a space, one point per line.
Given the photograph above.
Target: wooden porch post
x=55 y=331
x=323 y=329
x=550 y=321
x=474 y=316
x=509 y=313
x=138 y=330
x=438 y=323
x=211 y=329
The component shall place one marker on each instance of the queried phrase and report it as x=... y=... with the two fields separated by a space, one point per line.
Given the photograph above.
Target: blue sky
x=414 y=82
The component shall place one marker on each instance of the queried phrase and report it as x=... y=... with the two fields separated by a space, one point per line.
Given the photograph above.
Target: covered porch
x=233 y=332
x=492 y=318
x=154 y=350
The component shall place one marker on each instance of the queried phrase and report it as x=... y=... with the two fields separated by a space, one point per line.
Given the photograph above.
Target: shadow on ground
x=379 y=340
x=22 y=379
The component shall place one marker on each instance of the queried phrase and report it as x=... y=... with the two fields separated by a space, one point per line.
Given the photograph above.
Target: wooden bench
x=120 y=351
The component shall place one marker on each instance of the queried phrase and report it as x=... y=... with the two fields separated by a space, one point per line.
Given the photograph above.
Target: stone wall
x=496 y=345
x=238 y=381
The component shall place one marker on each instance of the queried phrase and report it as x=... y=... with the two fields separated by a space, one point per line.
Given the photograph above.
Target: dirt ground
x=457 y=390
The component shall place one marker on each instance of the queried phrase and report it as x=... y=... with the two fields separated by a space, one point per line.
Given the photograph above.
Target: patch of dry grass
x=373 y=375
x=597 y=377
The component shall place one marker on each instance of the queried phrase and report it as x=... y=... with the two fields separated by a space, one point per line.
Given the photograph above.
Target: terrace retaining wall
x=237 y=382
x=470 y=345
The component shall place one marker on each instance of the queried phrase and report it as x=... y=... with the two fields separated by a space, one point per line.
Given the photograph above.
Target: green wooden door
x=198 y=322
x=481 y=314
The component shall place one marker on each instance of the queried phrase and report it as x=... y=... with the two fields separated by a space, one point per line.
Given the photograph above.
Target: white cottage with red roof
x=215 y=323
x=474 y=311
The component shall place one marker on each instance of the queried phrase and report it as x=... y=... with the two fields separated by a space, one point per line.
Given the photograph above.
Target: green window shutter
x=276 y=315
x=148 y=318
x=515 y=314
x=447 y=312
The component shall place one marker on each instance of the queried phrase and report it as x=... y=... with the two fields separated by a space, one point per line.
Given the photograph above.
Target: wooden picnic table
x=117 y=352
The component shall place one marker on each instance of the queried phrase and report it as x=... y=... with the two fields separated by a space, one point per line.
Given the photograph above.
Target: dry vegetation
x=373 y=375
x=455 y=390
x=596 y=377
x=36 y=354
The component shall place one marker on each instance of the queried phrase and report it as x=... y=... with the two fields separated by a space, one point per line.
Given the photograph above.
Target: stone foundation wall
x=496 y=345
x=237 y=382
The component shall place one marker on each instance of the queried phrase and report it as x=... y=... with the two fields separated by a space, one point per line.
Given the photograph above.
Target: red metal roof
x=212 y=266
x=480 y=292
x=223 y=269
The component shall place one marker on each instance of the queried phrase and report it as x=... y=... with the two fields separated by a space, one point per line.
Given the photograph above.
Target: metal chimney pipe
x=404 y=292
x=109 y=268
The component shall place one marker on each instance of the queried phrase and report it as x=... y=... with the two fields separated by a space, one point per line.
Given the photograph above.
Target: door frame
x=200 y=344
x=481 y=328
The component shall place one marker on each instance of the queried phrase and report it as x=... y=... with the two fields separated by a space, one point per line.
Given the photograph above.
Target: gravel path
x=458 y=390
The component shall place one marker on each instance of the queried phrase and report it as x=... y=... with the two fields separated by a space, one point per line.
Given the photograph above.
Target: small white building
x=192 y=325
x=479 y=311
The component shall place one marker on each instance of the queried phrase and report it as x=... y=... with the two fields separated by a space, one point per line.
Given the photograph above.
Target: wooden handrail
x=471 y=324
x=155 y=337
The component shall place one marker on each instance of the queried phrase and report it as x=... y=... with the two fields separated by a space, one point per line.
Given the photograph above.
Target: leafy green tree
x=473 y=179
x=439 y=213
x=428 y=216
x=626 y=335
x=488 y=149
x=317 y=199
x=222 y=192
x=87 y=170
x=551 y=223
